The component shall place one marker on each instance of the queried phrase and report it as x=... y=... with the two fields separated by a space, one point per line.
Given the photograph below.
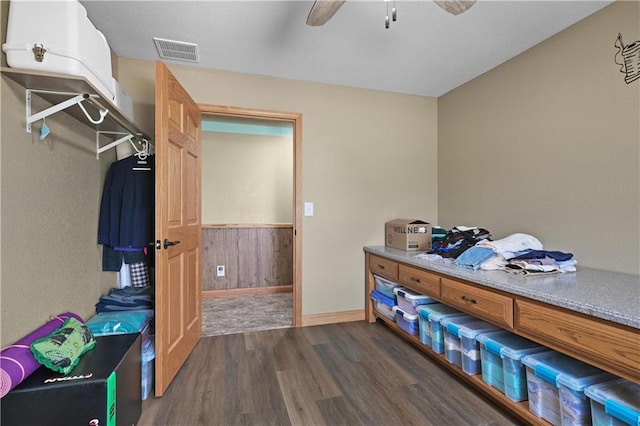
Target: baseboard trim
x=332 y=318
x=237 y=292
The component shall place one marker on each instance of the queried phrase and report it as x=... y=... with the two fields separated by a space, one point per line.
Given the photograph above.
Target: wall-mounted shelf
x=55 y=89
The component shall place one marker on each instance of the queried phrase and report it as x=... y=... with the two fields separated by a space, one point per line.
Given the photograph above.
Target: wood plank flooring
x=339 y=374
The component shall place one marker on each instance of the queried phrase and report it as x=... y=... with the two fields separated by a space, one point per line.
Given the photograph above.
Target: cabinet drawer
x=421 y=281
x=383 y=267
x=610 y=347
x=493 y=307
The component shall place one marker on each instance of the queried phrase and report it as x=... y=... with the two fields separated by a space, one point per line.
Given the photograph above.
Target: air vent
x=177 y=50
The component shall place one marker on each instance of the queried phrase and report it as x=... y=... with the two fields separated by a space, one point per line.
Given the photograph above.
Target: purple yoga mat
x=17 y=362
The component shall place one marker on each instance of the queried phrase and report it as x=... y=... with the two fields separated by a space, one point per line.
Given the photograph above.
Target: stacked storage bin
x=556 y=383
x=429 y=317
x=615 y=403
x=383 y=297
x=406 y=313
x=461 y=346
x=406 y=321
x=383 y=304
x=385 y=286
x=148 y=357
x=408 y=300
x=500 y=354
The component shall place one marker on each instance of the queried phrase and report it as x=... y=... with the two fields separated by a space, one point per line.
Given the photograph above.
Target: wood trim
x=247 y=225
x=235 y=292
x=333 y=318
x=296 y=119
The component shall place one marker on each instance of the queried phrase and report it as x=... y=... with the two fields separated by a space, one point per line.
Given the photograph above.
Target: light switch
x=308 y=208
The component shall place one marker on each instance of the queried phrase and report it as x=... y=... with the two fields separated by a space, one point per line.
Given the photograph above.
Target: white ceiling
x=427 y=51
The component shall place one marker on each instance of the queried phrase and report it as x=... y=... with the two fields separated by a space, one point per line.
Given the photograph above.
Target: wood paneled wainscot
x=258 y=258
x=610 y=346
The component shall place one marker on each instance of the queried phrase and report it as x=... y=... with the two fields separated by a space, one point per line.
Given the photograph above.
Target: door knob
x=168 y=243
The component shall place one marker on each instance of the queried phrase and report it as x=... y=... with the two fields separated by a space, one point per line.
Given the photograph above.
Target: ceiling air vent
x=177 y=50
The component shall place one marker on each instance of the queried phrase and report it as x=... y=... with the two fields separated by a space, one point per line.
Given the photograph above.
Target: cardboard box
x=103 y=389
x=408 y=234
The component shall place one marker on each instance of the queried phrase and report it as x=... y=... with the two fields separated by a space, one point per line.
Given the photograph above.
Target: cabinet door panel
x=421 y=281
x=609 y=347
x=384 y=267
x=493 y=307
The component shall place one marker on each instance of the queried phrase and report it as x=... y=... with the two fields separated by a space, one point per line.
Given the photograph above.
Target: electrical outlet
x=220 y=271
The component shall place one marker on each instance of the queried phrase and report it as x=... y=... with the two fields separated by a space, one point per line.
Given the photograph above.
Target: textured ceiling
x=427 y=51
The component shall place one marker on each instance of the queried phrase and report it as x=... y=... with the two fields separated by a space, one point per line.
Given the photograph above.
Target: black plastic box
x=102 y=390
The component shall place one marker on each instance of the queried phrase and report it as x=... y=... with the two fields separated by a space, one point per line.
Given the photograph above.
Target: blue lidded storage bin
x=500 y=354
x=383 y=304
x=461 y=346
x=437 y=329
x=544 y=371
x=575 y=407
x=405 y=321
x=124 y=322
x=385 y=286
x=429 y=317
x=408 y=300
x=615 y=403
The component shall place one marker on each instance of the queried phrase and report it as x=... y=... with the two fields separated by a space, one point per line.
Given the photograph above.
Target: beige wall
x=51 y=193
x=548 y=144
x=367 y=157
x=246 y=178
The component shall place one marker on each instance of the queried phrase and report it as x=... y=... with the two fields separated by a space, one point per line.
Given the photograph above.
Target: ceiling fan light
x=455 y=7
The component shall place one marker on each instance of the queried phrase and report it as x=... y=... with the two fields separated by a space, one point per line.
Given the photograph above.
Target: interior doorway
x=279 y=232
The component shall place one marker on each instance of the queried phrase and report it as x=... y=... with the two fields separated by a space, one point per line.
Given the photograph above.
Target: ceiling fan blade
x=455 y=7
x=322 y=11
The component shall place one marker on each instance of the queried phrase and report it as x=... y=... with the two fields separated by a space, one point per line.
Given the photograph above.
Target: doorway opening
x=251 y=211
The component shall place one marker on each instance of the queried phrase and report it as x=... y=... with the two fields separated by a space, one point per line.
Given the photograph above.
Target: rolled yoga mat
x=17 y=362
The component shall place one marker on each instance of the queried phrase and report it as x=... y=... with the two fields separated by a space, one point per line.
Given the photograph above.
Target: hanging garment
x=127 y=211
x=139 y=274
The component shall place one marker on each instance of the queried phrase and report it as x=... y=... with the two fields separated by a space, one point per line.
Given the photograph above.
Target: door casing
x=296 y=120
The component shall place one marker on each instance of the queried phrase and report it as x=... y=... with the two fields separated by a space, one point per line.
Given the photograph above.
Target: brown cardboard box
x=408 y=234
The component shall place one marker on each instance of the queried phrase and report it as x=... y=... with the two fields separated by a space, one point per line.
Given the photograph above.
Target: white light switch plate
x=308 y=208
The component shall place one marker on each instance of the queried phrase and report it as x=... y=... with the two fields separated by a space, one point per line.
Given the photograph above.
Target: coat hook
x=103 y=113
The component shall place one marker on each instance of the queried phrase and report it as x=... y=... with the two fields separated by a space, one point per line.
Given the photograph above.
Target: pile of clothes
x=126 y=299
x=458 y=240
x=473 y=248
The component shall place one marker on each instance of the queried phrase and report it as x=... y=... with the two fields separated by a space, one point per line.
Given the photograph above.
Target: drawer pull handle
x=380 y=266
x=415 y=280
x=469 y=300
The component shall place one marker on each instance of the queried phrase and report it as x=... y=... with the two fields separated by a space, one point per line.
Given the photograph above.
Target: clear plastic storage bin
x=148 y=357
x=405 y=321
x=385 y=286
x=429 y=317
x=615 y=403
x=383 y=304
x=545 y=371
x=408 y=300
x=461 y=346
x=500 y=354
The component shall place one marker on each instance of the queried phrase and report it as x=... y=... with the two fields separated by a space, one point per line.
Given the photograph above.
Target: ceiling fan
x=323 y=10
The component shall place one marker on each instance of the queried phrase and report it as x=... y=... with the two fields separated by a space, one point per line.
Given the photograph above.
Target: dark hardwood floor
x=340 y=374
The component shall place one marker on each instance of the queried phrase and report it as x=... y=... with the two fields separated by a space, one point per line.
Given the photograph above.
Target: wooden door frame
x=296 y=119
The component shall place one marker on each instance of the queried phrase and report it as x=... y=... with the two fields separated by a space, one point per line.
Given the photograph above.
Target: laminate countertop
x=612 y=296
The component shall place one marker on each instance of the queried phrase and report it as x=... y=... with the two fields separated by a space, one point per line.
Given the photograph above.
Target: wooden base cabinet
x=606 y=345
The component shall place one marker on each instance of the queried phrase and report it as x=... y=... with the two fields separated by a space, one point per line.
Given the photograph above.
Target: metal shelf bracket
x=76 y=99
